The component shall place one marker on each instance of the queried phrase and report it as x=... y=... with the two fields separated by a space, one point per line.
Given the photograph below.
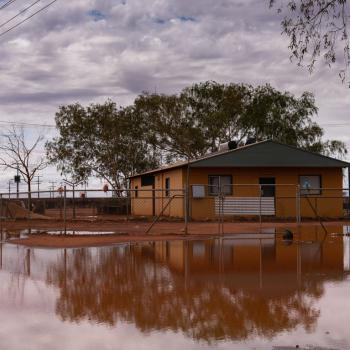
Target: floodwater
x=27 y=232
x=231 y=293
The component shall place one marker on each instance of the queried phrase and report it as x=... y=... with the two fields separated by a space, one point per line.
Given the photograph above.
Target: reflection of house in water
x=252 y=262
x=210 y=290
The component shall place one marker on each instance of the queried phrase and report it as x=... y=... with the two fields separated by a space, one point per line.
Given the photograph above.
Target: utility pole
x=9 y=188
x=17 y=181
x=73 y=184
x=52 y=188
x=38 y=183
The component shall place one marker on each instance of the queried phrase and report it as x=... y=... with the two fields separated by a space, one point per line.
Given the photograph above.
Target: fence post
x=65 y=209
x=128 y=196
x=219 y=207
x=298 y=208
x=187 y=191
x=186 y=208
x=73 y=199
x=222 y=212
x=1 y=210
x=260 y=194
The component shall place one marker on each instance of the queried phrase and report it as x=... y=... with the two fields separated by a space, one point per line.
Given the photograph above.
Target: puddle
x=80 y=233
x=234 y=293
x=15 y=234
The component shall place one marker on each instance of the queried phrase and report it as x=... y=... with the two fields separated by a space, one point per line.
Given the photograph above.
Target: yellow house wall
x=143 y=204
x=328 y=204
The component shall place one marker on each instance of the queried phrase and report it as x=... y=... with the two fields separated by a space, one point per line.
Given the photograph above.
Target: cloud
x=90 y=50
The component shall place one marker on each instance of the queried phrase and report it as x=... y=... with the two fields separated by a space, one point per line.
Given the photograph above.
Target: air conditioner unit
x=198 y=191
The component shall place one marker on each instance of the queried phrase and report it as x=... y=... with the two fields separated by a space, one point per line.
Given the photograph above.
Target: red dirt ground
x=134 y=231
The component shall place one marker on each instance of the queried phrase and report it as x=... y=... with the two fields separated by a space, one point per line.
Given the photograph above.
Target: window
x=136 y=191
x=220 y=184
x=147 y=180
x=310 y=184
x=167 y=187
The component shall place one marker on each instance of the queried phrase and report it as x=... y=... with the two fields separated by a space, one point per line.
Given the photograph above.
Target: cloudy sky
x=91 y=50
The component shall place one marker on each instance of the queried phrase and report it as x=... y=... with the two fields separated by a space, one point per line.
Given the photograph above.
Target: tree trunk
x=29 y=195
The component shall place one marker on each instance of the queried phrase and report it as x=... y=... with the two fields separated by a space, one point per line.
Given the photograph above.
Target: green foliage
x=114 y=143
x=281 y=116
x=100 y=140
x=196 y=121
x=204 y=115
x=316 y=28
x=171 y=128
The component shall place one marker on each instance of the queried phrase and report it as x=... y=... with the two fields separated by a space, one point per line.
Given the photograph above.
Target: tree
x=171 y=129
x=195 y=121
x=204 y=115
x=17 y=153
x=115 y=143
x=280 y=116
x=316 y=28
x=219 y=110
x=100 y=140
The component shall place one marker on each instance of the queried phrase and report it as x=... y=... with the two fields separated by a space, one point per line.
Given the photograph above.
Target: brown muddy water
x=238 y=292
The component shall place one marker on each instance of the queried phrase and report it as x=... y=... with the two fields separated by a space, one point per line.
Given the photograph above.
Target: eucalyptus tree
x=100 y=140
x=316 y=28
x=202 y=116
x=114 y=143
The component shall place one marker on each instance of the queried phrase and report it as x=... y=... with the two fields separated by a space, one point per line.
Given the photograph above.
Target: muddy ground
x=134 y=231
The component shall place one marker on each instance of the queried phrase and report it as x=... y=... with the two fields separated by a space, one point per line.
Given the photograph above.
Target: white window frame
x=219 y=187
x=311 y=189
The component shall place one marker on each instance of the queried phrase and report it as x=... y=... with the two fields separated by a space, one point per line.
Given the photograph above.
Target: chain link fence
x=266 y=202
x=213 y=204
x=69 y=208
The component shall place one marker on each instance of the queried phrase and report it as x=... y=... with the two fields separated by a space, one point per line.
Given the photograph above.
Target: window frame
x=167 y=186
x=136 y=188
x=303 y=192
x=210 y=193
x=147 y=180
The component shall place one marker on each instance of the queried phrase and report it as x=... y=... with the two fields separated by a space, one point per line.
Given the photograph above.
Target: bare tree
x=17 y=153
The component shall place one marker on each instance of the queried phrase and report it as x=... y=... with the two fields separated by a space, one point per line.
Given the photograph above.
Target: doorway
x=267 y=186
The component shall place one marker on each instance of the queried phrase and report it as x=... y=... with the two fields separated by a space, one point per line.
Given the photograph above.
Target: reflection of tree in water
x=126 y=284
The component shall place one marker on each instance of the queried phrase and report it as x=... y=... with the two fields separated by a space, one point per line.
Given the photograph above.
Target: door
x=267 y=186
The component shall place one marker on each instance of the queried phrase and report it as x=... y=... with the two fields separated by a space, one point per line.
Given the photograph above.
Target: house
x=265 y=178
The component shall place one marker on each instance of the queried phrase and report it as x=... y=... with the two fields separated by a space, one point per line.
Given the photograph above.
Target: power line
x=27 y=18
x=54 y=126
x=335 y=124
x=27 y=124
x=19 y=13
x=8 y=3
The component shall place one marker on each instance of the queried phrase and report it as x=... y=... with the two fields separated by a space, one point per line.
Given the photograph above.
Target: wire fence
x=198 y=203
x=283 y=201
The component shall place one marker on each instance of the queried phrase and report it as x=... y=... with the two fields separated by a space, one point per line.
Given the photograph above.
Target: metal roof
x=260 y=154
